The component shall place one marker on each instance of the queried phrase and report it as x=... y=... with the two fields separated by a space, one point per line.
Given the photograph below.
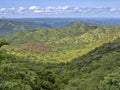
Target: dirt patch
x=35 y=47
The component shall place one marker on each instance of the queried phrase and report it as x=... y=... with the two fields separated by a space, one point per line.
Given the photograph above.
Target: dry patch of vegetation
x=35 y=47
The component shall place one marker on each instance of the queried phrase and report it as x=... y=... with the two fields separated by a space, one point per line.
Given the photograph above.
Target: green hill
x=97 y=70
x=77 y=57
x=75 y=40
x=9 y=26
x=54 y=34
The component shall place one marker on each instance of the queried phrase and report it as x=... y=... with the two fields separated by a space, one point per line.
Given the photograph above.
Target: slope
x=97 y=70
x=75 y=40
x=9 y=26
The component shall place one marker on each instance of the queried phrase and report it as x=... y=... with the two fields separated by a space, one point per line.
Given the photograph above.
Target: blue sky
x=59 y=8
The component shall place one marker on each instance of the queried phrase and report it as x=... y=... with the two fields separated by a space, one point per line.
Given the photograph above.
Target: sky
x=59 y=8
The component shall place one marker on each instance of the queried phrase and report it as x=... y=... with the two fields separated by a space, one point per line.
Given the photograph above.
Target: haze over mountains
x=55 y=22
x=25 y=24
x=10 y=26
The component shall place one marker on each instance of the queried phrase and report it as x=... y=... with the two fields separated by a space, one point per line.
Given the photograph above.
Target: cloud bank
x=58 y=10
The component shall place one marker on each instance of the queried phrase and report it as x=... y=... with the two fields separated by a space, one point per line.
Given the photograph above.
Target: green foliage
x=9 y=26
x=3 y=42
x=78 y=57
x=64 y=44
x=96 y=69
x=111 y=82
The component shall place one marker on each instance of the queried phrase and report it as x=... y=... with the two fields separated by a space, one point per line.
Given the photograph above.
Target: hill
x=99 y=69
x=77 y=57
x=9 y=26
x=75 y=40
x=60 y=22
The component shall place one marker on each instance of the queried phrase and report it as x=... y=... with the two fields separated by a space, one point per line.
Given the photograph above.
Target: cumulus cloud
x=56 y=10
x=21 y=10
x=33 y=8
x=112 y=9
x=38 y=11
x=3 y=9
x=11 y=9
x=63 y=8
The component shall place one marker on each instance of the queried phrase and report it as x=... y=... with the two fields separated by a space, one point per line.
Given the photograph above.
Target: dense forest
x=11 y=26
x=76 y=57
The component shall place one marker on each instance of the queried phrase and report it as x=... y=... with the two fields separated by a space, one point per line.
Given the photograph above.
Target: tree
x=111 y=82
x=3 y=42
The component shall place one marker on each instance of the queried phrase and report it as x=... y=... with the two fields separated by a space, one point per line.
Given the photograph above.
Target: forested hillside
x=9 y=26
x=97 y=70
x=61 y=43
x=77 y=57
x=60 y=22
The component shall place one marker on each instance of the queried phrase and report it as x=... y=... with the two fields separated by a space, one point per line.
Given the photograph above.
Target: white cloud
x=51 y=8
x=3 y=9
x=64 y=8
x=21 y=9
x=33 y=8
x=112 y=9
x=36 y=10
x=11 y=9
x=76 y=9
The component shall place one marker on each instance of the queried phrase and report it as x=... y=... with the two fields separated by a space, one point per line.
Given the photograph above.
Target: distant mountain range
x=25 y=24
x=57 y=22
x=10 y=26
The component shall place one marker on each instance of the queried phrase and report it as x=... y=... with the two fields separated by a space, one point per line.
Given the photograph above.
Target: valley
x=78 y=56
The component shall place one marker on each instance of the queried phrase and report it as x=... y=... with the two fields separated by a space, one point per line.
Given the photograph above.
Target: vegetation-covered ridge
x=62 y=44
x=77 y=57
x=97 y=70
x=11 y=26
